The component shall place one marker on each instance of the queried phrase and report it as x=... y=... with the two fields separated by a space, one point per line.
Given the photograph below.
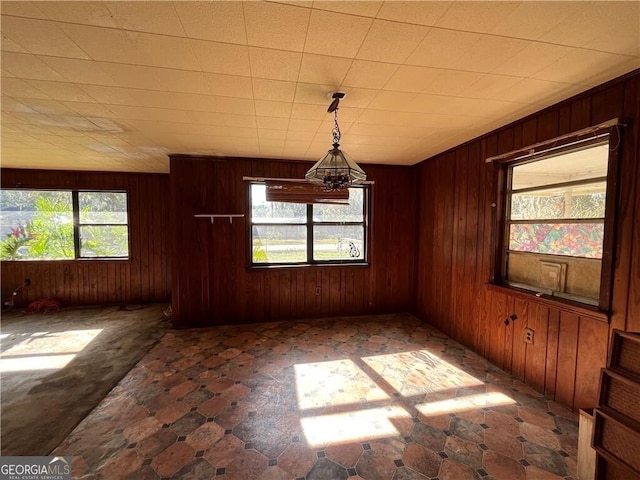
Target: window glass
x=338 y=242
x=572 y=239
x=274 y=212
x=555 y=221
x=103 y=207
x=37 y=225
x=580 y=164
x=579 y=201
x=342 y=213
x=279 y=244
x=104 y=241
x=285 y=233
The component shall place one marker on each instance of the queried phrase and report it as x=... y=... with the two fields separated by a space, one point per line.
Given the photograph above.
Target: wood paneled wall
x=145 y=277
x=454 y=252
x=212 y=284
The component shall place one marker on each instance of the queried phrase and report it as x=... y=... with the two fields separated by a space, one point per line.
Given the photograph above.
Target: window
x=294 y=233
x=555 y=208
x=63 y=225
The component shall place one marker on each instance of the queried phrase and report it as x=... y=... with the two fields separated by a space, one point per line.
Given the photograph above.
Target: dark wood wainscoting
x=455 y=228
x=145 y=277
x=212 y=283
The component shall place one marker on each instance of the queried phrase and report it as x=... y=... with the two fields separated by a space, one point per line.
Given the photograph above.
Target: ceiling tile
x=366 y=74
x=218 y=21
x=412 y=79
x=336 y=34
x=618 y=28
x=47 y=106
x=272 y=123
x=207 y=118
x=432 y=80
x=422 y=13
x=475 y=16
x=229 y=85
x=267 y=134
x=136 y=48
x=530 y=20
x=225 y=58
x=145 y=113
x=274 y=64
x=322 y=69
x=79 y=71
x=392 y=100
x=579 y=65
x=243 y=121
x=265 y=108
x=15 y=87
x=61 y=91
x=300 y=125
x=90 y=13
x=41 y=37
x=465 y=51
x=155 y=78
x=274 y=90
x=532 y=58
x=135 y=16
x=89 y=109
x=300 y=136
x=363 y=9
x=9 y=45
x=604 y=26
x=490 y=86
x=309 y=112
x=537 y=92
x=391 y=42
x=441 y=48
x=272 y=25
x=11 y=105
x=28 y=66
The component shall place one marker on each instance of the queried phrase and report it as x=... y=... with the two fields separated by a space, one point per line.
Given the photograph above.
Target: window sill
x=307 y=265
x=553 y=302
x=68 y=260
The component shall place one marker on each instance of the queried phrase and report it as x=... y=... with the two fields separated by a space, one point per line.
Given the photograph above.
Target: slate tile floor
x=382 y=397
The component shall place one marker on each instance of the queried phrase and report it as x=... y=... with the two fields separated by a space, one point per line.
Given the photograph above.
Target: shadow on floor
x=56 y=368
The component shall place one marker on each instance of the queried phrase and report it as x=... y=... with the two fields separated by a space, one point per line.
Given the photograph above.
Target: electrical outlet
x=527 y=335
x=318 y=290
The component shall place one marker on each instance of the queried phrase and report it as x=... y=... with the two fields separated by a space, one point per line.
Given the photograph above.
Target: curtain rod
x=531 y=149
x=265 y=179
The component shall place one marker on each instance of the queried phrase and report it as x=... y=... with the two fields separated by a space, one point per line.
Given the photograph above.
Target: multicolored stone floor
x=384 y=397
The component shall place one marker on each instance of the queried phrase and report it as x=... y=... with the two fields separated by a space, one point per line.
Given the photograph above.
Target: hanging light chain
x=336 y=129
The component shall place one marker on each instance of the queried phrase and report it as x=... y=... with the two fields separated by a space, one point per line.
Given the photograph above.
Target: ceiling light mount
x=336 y=171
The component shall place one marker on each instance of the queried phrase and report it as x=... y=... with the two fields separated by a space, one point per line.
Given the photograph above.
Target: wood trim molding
x=555 y=303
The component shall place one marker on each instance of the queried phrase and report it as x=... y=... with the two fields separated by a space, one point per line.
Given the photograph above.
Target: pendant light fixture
x=336 y=171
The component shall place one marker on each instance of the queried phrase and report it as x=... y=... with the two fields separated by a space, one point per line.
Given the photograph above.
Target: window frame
x=503 y=164
x=75 y=210
x=309 y=224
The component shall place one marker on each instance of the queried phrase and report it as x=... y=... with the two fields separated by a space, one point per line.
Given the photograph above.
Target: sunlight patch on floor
x=350 y=427
x=419 y=372
x=45 y=350
x=468 y=402
x=338 y=382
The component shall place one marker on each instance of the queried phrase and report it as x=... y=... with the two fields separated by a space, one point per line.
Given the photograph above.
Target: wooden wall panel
x=142 y=278
x=212 y=283
x=456 y=192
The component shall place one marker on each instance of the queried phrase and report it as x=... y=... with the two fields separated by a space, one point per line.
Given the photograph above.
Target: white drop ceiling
x=116 y=86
